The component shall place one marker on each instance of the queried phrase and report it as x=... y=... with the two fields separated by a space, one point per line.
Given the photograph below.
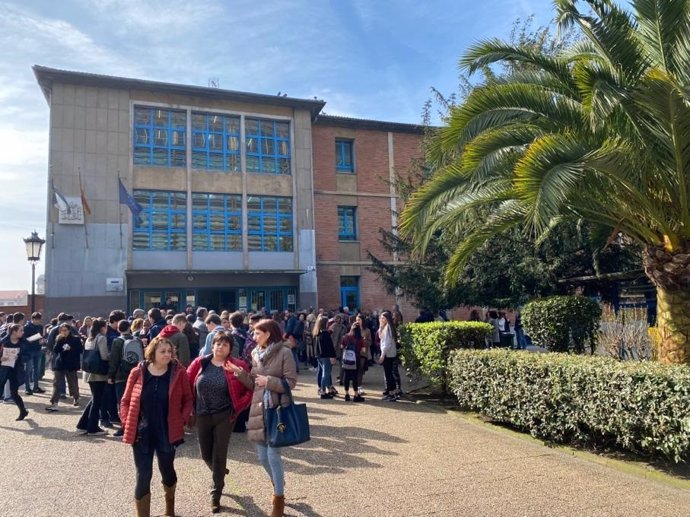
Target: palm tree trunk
x=670 y=273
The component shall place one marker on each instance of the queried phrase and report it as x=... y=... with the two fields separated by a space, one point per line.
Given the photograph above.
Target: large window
x=216 y=222
x=162 y=223
x=269 y=223
x=216 y=142
x=344 y=161
x=268 y=146
x=347 y=223
x=159 y=137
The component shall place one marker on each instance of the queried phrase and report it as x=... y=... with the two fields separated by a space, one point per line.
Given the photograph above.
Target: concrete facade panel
x=269 y=185
x=156 y=178
x=271 y=260
x=222 y=261
x=161 y=260
x=218 y=182
x=174 y=100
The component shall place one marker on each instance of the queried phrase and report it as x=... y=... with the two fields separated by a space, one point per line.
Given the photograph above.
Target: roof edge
x=46 y=76
x=359 y=123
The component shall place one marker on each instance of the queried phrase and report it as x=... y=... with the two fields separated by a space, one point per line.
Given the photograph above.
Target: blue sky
x=373 y=59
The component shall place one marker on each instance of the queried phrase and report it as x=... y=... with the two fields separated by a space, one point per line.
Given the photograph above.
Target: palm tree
x=598 y=132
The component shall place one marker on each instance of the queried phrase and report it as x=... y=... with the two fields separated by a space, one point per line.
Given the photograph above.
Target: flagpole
x=119 y=207
x=83 y=211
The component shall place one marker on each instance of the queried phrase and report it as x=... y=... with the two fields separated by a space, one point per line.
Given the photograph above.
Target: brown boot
x=278 y=506
x=170 y=500
x=143 y=506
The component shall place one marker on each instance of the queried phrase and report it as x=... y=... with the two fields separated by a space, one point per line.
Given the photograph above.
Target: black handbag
x=92 y=362
x=286 y=425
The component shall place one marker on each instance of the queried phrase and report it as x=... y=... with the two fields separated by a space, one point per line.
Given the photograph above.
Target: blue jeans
x=296 y=357
x=33 y=367
x=273 y=464
x=521 y=341
x=323 y=376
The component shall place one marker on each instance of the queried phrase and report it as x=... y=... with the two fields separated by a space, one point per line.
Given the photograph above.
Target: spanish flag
x=84 y=202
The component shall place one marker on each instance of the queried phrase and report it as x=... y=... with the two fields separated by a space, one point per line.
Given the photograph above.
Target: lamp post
x=33 y=253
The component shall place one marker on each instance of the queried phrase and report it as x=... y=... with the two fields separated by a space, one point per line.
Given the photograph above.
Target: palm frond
x=664 y=30
x=508 y=215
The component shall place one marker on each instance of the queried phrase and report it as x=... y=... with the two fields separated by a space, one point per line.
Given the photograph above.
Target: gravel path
x=372 y=459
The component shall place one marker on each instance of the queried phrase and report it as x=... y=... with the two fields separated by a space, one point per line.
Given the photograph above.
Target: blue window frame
x=216 y=222
x=267 y=146
x=269 y=223
x=216 y=142
x=159 y=137
x=162 y=223
x=344 y=156
x=349 y=292
x=347 y=223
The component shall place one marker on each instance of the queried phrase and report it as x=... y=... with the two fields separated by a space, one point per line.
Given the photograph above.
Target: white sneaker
x=52 y=407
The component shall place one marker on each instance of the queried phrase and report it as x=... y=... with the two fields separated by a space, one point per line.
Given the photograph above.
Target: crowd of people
x=154 y=375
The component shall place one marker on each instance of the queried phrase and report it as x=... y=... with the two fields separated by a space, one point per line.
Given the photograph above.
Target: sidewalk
x=372 y=459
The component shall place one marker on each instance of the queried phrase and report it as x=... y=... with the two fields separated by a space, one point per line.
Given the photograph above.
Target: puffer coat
x=278 y=363
x=179 y=402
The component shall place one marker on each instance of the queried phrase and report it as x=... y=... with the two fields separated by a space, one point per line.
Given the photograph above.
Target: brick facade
x=369 y=190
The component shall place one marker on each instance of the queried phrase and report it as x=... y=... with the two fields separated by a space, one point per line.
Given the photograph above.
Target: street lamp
x=33 y=253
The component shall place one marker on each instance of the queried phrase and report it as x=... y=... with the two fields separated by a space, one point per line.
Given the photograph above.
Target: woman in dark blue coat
x=67 y=352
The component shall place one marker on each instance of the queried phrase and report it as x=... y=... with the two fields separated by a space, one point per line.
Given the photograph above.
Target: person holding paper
x=11 y=364
x=67 y=350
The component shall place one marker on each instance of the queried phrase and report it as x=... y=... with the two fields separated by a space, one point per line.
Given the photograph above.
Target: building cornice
x=46 y=77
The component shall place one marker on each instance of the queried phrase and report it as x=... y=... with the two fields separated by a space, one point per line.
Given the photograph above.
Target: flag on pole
x=127 y=199
x=60 y=200
x=84 y=202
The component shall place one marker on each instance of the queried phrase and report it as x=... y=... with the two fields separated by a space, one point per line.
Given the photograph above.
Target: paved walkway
x=373 y=459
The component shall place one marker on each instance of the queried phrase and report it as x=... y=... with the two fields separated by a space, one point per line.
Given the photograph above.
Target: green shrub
x=557 y=322
x=425 y=346
x=640 y=406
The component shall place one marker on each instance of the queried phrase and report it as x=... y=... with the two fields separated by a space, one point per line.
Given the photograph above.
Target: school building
x=167 y=195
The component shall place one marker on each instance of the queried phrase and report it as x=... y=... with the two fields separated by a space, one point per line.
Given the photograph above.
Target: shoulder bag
x=287 y=425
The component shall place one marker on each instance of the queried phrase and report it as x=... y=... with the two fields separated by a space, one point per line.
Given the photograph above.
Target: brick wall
x=371 y=176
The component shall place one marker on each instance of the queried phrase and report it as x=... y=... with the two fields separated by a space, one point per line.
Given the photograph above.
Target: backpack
x=132 y=354
x=350 y=356
x=239 y=341
x=249 y=346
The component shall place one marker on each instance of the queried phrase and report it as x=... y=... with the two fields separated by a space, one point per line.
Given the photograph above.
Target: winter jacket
x=179 y=341
x=20 y=354
x=278 y=363
x=179 y=402
x=102 y=344
x=67 y=360
x=324 y=345
x=240 y=395
x=156 y=329
x=118 y=371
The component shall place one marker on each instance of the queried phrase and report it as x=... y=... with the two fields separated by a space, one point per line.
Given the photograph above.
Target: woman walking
x=325 y=352
x=272 y=362
x=219 y=397
x=154 y=410
x=11 y=348
x=67 y=352
x=88 y=423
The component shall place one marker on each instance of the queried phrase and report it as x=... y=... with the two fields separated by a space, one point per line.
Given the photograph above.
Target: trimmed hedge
x=557 y=321
x=642 y=407
x=425 y=346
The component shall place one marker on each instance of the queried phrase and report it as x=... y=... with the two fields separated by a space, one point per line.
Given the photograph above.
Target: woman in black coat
x=67 y=352
x=11 y=360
